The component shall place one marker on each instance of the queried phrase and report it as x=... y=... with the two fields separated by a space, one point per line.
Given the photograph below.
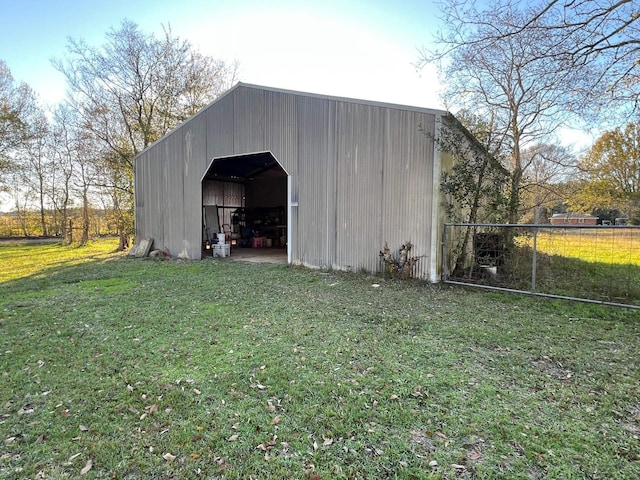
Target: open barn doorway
x=244 y=202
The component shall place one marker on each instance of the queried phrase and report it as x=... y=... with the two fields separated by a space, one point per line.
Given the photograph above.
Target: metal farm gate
x=587 y=263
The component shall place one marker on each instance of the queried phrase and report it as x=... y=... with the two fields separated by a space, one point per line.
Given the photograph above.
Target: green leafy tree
x=476 y=186
x=612 y=171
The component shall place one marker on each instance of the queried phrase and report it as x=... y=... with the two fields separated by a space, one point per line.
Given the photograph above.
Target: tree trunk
x=43 y=219
x=85 y=218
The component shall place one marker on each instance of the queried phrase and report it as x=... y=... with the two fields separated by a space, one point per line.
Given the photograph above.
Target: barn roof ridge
x=239 y=85
x=339 y=98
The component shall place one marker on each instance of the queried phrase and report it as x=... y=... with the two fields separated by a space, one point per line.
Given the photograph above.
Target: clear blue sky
x=354 y=48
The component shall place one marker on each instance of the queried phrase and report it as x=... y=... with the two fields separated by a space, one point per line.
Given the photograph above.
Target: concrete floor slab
x=259 y=255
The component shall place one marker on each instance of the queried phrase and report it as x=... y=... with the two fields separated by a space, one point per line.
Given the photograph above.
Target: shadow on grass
x=31 y=259
x=563 y=276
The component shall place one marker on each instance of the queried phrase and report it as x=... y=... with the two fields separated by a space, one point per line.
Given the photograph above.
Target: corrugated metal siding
x=406 y=191
x=174 y=200
x=281 y=129
x=312 y=177
x=195 y=151
x=220 y=129
x=361 y=173
x=249 y=121
x=360 y=151
x=223 y=194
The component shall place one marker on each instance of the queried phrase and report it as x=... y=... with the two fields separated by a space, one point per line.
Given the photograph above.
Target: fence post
x=534 y=260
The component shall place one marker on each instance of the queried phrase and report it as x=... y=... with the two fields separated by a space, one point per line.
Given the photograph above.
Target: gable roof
x=240 y=85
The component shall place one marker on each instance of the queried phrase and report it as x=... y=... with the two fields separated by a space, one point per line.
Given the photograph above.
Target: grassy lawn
x=121 y=368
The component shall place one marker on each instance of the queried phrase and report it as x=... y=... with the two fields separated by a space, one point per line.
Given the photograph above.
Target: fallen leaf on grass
x=233 y=438
x=9 y=440
x=475 y=455
x=87 y=467
x=375 y=451
x=327 y=442
x=458 y=467
x=83 y=428
x=73 y=457
x=168 y=457
x=275 y=420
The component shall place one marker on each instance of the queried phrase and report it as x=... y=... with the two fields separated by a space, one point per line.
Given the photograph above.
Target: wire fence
x=590 y=263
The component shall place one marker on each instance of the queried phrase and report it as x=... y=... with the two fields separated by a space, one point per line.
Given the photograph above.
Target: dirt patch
x=473 y=444
x=421 y=444
x=553 y=369
x=630 y=419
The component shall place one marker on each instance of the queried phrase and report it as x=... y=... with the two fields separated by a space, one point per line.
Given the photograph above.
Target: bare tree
x=14 y=100
x=603 y=34
x=509 y=79
x=36 y=165
x=134 y=89
x=18 y=105
x=84 y=178
x=548 y=167
x=63 y=156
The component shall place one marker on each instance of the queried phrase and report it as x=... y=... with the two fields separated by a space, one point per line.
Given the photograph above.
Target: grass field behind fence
x=600 y=264
x=619 y=246
x=122 y=368
x=597 y=264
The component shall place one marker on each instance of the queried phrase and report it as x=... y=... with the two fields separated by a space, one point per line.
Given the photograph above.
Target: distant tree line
x=28 y=224
x=76 y=158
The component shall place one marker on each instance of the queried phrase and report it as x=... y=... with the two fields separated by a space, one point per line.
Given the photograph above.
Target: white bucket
x=221 y=238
